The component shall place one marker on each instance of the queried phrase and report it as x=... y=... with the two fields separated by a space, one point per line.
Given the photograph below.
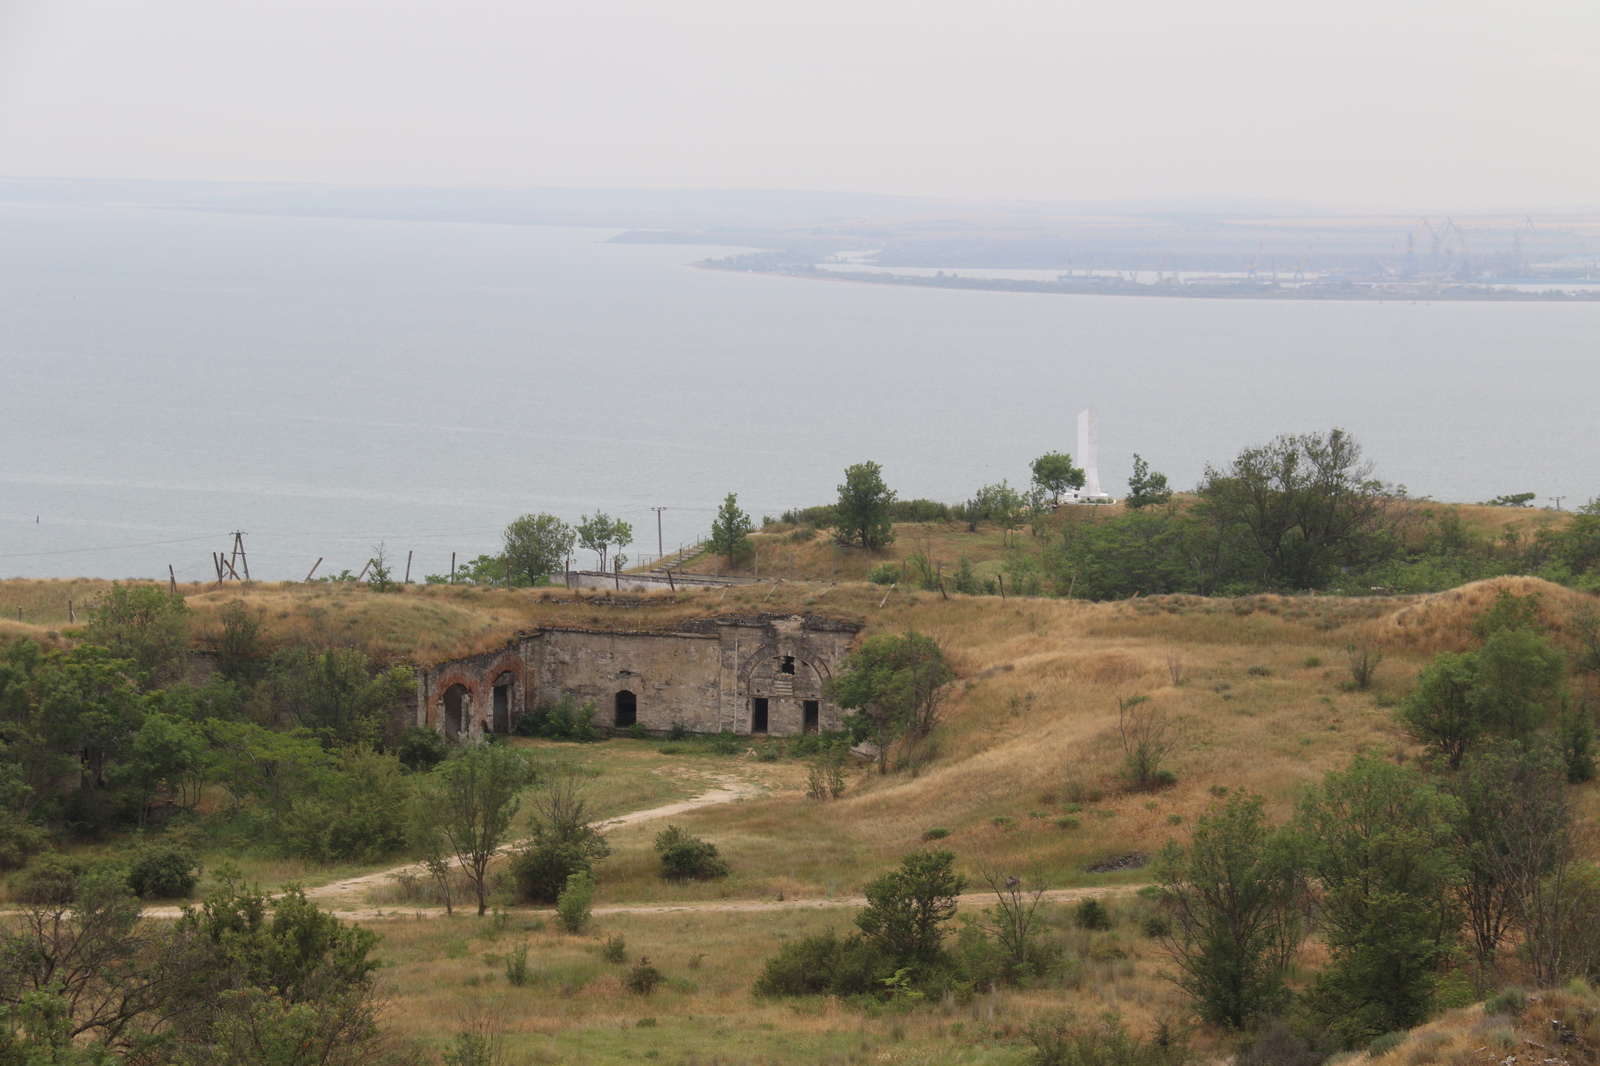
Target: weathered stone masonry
x=750 y=674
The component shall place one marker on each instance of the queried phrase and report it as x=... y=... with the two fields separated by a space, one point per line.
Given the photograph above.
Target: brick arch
x=479 y=682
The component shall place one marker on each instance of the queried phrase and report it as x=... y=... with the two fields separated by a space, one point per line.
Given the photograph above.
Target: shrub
x=884 y=574
x=1259 y=671
x=616 y=949
x=678 y=731
x=1510 y=1000
x=20 y=840
x=1156 y=927
x=574 y=906
x=49 y=879
x=1067 y=821
x=821 y=965
x=1313 y=661
x=565 y=719
x=725 y=743
x=163 y=873
x=938 y=832
x=1364 y=660
x=517 y=966
x=643 y=978
x=636 y=731
x=1148 y=736
x=687 y=858
x=1091 y=914
x=421 y=749
x=1384 y=1044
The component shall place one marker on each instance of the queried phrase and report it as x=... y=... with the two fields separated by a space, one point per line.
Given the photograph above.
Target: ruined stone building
x=749 y=674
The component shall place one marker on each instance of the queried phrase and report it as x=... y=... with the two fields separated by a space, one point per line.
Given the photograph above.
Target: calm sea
x=169 y=377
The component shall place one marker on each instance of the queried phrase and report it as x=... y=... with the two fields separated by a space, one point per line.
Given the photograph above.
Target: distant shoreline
x=1187 y=290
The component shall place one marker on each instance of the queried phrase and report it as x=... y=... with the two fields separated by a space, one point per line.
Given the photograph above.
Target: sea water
x=324 y=384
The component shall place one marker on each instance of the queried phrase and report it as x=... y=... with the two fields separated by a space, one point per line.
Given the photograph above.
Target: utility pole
x=238 y=554
x=1558 y=500
x=660 y=550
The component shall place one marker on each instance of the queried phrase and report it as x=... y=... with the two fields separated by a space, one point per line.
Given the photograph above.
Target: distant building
x=760 y=674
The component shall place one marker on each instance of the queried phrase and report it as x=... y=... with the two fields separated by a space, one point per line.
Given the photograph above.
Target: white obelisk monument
x=1089 y=452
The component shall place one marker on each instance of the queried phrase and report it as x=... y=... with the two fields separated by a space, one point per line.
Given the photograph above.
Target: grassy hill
x=1024 y=779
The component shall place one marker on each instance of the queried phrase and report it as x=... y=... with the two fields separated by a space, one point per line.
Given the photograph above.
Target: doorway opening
x=501 y=722
x=813 y=715
x=758 y=714
x=456 y=702
x=627 y=709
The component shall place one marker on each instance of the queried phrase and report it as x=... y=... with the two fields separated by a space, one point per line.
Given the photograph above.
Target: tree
x=144 y=624
x=1440 y=712
x=863 y=511
x=476 y=796
x=597 y=533
x=1148 y=736
x=907 y=909
x=565 y=839
x=1378 y=840
x=730 y=530
x=1054 y=473
x=1510 y=830
x=1146 y=487
x=897 y=684
x=1233 y=898
x=536 y=546
x=337 y=694
x=1307 y=505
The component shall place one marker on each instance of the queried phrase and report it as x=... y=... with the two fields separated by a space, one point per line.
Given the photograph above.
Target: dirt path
x=729 y=789
x=736 y=906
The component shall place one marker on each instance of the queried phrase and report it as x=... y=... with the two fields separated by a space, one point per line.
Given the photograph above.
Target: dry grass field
x=1024 y=780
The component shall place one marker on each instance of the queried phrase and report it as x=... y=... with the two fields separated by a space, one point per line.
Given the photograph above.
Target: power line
x=111 y=548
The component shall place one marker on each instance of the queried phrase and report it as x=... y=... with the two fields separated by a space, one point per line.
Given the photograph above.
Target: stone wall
x=707 y=675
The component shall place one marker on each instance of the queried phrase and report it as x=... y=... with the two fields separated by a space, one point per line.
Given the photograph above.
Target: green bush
x=1067 y=821
x=678 y=731
x=643 y=978
x=576 y=902
x=20 y=840
x=421 y=748
x=517 y=966
x=163 y=872
x=1511 y=1000
x=1091 y=914
x=687 y=858
x=1384 y=1044
x=616 y=949
x=49 y=879
x=938 y=832
x=565 y=719
x=822 y=965
x=884 y=574
x=354 y=812
x=636 y=731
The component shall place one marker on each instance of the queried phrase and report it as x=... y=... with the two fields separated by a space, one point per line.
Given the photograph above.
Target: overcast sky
x=1454 y=104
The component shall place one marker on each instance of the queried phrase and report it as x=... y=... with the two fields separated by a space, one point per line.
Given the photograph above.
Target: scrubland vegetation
x=1275 y=827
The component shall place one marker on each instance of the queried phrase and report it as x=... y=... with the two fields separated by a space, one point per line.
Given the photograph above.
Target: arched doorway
x=457 y=706
x=504 y=685
x=627 y=709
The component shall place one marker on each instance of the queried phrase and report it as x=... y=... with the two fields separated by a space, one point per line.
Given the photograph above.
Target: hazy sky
x=1385 y=102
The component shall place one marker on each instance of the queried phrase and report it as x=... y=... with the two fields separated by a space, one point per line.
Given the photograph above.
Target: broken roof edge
x=698 y=628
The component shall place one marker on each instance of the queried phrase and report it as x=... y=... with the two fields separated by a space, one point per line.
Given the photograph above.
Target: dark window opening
x=813 y=717
x=627 y=709
x=788 y=665
x=758 y=714
x=502 y=709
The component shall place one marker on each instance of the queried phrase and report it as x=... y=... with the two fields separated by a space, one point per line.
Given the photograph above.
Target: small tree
x=1377 y=840
x=1148 y=736
x=907 y=909
x=1146 y=486
x=897 y=684
x=476 y=796
x=1232 y=897
x=1015 y=921
x=863 y=512
x=536 y=545
x=600 y=532
x=565 y=840
x=380 y=573
x=1054 y=473
x=144 y=624
x=730 y=530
